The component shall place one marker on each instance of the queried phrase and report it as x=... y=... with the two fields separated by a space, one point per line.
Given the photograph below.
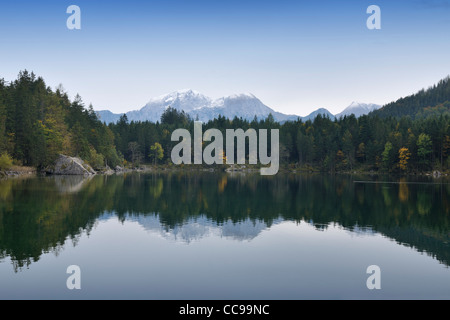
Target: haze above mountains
x=203 y=108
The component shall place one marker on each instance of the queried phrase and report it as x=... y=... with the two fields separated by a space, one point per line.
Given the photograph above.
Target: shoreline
x=17 y=171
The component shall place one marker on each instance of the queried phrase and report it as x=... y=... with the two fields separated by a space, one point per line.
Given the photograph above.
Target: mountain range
x=203 y=108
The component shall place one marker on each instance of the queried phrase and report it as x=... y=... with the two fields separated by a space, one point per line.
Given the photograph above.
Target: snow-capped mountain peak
x=245 y=105
x=358 y=109
x=183 y=96
x=242 y=96
x=354 y=104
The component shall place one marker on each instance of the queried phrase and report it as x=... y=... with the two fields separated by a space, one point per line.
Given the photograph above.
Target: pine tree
x=424 y=149
x=388 y=156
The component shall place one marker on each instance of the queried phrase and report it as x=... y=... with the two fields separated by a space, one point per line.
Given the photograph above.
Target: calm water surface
x=219 y=236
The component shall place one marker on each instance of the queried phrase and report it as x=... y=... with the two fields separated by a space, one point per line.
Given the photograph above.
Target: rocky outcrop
x=65 y=165
x=107 y=171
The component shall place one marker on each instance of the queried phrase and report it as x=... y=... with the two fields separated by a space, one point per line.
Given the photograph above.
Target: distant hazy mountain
x=108 y=117
x=203 y=108
x=358 y=109
x=321 y=111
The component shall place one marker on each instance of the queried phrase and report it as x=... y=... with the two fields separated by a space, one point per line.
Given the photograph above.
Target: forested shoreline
x=411 y=135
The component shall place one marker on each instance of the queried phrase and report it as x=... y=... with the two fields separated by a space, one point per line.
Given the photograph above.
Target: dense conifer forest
x=37 y=124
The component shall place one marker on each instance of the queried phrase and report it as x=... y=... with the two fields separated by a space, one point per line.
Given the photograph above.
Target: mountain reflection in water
x=39 y=215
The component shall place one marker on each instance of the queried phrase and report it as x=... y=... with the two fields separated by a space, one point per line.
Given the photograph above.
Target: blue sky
x=296 y=56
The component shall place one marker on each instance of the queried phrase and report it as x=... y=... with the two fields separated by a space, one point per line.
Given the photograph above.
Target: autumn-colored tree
x=403 y=155
x=156 y=152
x=361 y=152
x=341 y=160
x=224 y=157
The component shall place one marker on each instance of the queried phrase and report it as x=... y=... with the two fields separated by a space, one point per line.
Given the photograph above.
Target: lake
x=224 y=236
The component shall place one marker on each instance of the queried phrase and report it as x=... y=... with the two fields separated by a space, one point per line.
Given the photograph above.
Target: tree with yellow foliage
x=156 y=152
x=403 y=155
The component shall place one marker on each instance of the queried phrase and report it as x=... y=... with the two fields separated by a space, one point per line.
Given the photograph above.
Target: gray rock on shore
x=66 y=165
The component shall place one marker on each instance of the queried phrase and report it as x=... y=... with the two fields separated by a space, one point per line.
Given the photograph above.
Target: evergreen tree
x=424 y=150
x=388 y=156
